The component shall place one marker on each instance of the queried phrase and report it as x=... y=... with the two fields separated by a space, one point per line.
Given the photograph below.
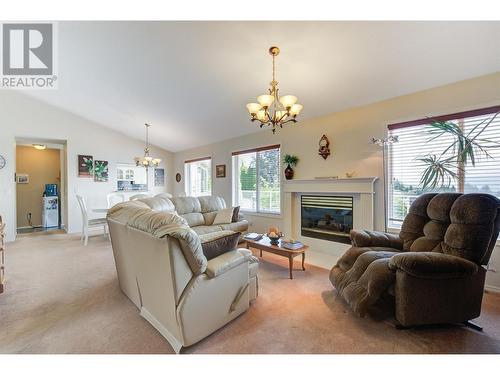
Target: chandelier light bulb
x=295 y=110
x=253 y=108
x=265 y=100
x=288 y=101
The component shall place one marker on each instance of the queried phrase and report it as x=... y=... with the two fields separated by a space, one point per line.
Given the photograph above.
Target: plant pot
x=288 y=172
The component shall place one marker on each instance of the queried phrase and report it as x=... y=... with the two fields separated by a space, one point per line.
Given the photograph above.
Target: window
x=198 y=174
x=256 y=179
x=415 y=141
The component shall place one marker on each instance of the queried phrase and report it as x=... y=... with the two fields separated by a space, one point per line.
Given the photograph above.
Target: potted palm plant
x=464 y=148
x=290 y=161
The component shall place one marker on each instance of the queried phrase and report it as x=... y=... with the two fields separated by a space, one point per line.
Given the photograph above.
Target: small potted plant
x=290 y=161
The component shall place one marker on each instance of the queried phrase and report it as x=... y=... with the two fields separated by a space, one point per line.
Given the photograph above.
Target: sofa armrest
x=224 y=263
x=366 y=238
x=427 y=265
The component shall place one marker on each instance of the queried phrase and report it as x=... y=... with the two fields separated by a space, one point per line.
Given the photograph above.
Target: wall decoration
x=85 y=166
x=159 y=177
x=101 y=171
x=23 y=178
x=2 y=162
x=178 y=177
x=220 y=171
x=324 y=147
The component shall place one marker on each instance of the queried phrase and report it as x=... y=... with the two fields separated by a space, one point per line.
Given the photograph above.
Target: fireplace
x=327 y=217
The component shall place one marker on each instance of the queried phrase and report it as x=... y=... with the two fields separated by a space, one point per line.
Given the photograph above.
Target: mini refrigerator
x=50 y=212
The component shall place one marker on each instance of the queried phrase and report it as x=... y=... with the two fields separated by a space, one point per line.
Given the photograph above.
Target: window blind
x=404 y=170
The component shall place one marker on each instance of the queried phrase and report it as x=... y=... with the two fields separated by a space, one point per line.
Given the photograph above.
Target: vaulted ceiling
x=191 y=80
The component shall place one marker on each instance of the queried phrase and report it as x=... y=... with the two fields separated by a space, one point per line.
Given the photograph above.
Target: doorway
x=40 y=186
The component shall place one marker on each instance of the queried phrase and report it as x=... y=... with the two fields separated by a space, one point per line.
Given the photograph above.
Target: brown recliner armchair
x=434 y=270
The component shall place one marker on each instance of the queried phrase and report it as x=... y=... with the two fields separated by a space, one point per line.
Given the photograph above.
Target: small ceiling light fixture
x=39 y=146
x=271 y=109
x=147 y=160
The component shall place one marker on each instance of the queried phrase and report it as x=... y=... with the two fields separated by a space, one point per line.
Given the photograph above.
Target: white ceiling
x=191 y=80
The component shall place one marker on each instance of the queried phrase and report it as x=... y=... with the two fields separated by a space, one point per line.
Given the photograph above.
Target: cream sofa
x=199 y=212
x=162 y=269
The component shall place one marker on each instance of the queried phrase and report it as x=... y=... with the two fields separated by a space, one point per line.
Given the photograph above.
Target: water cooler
x=50 y=210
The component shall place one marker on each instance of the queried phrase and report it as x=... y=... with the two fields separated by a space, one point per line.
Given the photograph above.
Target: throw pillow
x=224 y=216
x=215 y=244
x=236 y=212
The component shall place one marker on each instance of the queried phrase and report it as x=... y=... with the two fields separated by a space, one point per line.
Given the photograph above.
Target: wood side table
x=264 y=244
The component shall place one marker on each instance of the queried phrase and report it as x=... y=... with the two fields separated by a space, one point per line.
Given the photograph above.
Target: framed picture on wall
x=23 y=179
x=220 y=170
x=159 y=177
x=85 y=166
x=101 y=171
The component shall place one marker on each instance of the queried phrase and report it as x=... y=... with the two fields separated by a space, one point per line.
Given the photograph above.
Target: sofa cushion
x=204 y=229
x=217 y=243
x=159 y=203
x=211 y=203
x=209 y=217
x=223 y=216
x=186 y=205
x=224 y=263
x=194 y=219
x=240 y=226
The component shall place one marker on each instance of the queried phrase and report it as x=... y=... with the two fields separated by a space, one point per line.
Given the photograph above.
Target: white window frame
x=236 y=181
x=187 y=174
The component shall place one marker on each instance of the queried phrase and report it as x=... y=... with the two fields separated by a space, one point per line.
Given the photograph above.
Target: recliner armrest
x=224 y=263
x=367 y=238
x=428 y=265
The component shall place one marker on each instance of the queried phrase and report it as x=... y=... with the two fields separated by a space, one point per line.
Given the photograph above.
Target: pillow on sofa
x=215 y=244
x=236 y=212
x=224 y=216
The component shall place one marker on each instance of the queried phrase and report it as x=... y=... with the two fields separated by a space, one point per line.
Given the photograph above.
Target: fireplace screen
x=326 y=217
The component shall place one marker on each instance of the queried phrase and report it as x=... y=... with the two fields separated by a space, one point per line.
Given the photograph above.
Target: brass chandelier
x=271 y=109
x=147 y=160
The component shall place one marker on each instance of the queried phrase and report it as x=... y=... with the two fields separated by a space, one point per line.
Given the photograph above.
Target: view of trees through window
x=258 y=183
x=198 y=177
x=405 y=170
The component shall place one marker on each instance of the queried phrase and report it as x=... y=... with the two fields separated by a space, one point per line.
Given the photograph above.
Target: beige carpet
x=62 y=297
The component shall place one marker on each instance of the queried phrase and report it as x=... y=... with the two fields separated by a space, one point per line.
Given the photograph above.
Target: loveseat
x=432 y=272
x=162 y=268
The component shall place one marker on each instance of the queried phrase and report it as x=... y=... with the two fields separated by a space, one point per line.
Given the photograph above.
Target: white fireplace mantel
x=362 y=189
x=359 y=185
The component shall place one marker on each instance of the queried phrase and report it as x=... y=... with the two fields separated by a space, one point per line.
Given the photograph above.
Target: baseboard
x=172 y=340
x=491 y=288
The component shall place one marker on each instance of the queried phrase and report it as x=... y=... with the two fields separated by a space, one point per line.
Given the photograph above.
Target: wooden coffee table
x=264 y=244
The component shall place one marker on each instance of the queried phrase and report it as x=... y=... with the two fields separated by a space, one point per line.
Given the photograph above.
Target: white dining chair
x=139 y=196
x=115 y=198
x=87 y=223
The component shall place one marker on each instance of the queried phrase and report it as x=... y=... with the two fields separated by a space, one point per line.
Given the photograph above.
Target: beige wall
x=349 y=133
x=43 y=167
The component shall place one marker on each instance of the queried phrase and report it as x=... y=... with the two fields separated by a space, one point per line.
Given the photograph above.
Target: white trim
x=172 y=340
x=492 y=289
x=263 y=214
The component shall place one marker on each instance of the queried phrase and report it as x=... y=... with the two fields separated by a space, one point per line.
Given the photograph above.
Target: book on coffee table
x=291 y=245
x=253 y=236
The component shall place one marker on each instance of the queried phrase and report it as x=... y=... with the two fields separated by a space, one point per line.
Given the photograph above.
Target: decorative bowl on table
x=274 y=237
